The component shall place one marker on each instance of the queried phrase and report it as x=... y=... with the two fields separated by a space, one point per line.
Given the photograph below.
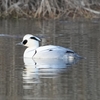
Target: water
x=71 y=81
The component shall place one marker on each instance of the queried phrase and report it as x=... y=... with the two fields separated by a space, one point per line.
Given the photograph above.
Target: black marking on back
x=69 y=51
x=24 y=42
x=34 y=38
x=50 y=50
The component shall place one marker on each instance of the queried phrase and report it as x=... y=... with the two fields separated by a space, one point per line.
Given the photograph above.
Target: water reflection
x=40 y=76
x=44 y=68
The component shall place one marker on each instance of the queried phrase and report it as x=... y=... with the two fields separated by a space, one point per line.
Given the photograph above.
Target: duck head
x=30 y=41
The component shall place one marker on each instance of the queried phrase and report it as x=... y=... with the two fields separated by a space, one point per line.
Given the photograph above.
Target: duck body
x=49 y=51
x=33 y=49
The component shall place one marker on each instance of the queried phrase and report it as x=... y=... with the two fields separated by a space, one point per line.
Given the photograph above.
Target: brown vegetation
x=48 y=9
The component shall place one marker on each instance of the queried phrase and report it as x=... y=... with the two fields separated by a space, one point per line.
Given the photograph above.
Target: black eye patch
x=24 y=42
x=35 y=38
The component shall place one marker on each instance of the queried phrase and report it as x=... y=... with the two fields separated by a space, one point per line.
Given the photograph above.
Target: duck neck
x=33 y=44
x=29 y=52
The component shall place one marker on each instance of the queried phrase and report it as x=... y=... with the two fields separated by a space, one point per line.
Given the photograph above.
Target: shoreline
x=45 y=9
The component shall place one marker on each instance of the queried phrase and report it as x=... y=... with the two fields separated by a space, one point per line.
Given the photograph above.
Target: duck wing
x=51 y=51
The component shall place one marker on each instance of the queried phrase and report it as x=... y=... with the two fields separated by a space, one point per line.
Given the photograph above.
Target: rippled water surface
x=54 y=79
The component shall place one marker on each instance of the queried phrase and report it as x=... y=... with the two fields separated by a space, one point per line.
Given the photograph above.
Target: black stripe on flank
x=35 y=53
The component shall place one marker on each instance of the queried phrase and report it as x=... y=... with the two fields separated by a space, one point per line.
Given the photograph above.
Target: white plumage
x=33 y=49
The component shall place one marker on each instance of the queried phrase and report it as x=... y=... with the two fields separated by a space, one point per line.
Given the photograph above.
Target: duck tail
x=80 y=57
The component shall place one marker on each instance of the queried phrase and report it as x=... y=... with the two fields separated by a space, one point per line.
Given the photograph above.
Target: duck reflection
x=44 y=68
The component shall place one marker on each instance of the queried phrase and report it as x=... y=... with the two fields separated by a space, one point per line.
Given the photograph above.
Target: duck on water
x=33 y=49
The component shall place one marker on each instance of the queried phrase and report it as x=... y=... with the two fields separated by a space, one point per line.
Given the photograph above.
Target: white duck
x=33 y=49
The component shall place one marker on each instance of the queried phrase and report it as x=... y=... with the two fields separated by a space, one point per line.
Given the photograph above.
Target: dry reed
x=48 y=9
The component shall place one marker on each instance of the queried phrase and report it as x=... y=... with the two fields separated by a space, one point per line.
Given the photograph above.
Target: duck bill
x=19 y=43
